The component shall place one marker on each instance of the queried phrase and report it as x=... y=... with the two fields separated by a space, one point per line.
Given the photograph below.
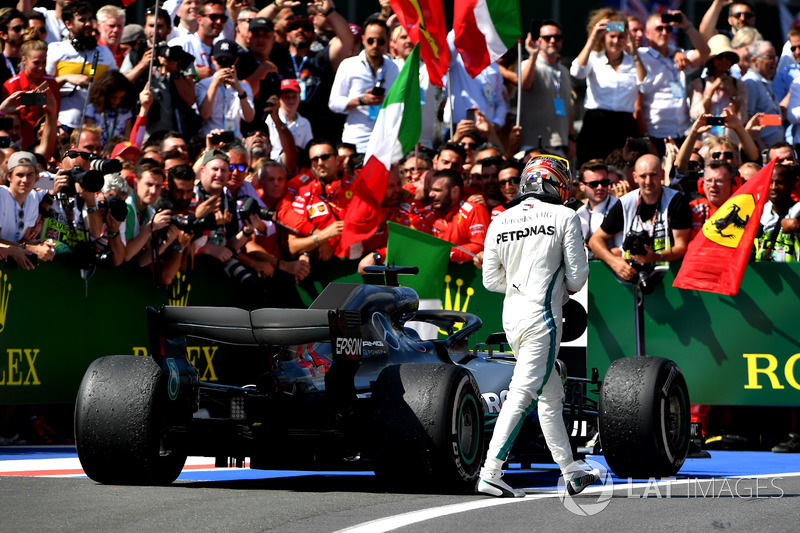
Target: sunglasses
x=667 y=29
x=795 y=47
x=722 y=155
x=323 y=157
x=42 y=30
x=245 y=20
x=411 y=170
x=372 y=40
x=694 y=165
x=554 y=37
x=742 y=14
x=594 y=184
x=17 y=29
x=217 y=18
x=509 y=181
x=240 y=168
x=469 y=146
x=72 y=154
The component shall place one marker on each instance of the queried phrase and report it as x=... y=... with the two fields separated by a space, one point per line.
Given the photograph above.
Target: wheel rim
x=468 y=430
x=674 y=419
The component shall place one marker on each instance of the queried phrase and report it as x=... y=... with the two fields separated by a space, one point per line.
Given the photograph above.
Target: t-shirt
x=10 y=211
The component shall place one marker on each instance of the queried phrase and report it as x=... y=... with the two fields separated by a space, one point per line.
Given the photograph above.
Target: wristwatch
x=242 y=95
x=91 y=208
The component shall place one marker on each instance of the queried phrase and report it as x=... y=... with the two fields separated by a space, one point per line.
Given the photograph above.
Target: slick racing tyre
x=430 y=427
x=120 y=415
x=644 y=417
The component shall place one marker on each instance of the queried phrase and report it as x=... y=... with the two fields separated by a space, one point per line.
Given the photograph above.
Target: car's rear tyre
x=430 y=427
x=120 y=415
x=644 y=417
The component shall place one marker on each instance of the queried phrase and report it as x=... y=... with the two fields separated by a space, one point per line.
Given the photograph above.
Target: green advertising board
x=733 y=350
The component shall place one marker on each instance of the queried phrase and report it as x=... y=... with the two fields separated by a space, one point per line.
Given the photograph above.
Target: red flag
x=424 y=23
x=126 y=3
x=717 y=256
x=363 y=215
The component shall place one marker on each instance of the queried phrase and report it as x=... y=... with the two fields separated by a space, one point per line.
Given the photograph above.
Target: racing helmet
x=548 y=178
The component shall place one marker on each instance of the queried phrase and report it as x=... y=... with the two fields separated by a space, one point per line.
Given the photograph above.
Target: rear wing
x=169 y=326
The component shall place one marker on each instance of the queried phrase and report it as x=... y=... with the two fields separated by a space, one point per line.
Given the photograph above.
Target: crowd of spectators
x=236 y=139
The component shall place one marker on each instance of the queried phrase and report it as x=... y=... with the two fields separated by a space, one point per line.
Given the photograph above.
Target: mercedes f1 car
x=349 y=386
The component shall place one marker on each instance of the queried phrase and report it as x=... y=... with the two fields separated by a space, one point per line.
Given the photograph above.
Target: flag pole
x=519 y=80
x=451 y=102
x=153 y=46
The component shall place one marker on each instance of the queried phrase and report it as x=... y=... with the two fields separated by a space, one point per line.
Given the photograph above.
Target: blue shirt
x=783 y=79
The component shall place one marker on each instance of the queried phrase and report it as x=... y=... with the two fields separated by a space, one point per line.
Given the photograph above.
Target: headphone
x=330 y=189
x=83 y=44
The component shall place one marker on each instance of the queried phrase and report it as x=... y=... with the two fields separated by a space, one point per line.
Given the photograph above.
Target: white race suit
x=534 y=254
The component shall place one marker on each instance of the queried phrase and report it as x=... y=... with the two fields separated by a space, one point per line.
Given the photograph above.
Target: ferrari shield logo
x=727 y=225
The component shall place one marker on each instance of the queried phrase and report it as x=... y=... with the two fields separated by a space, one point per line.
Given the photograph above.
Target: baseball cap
x=132 y=33
x=300 y=22
x=290 y=84
x=123 y=147
x=261 y=23
x=210 y=155
x=19 y=159
x=224 y=49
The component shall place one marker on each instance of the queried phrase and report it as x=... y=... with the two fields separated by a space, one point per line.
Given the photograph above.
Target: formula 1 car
x=348 y=386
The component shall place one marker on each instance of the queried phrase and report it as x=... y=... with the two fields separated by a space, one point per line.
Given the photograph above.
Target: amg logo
x=350 y=347
x=373 y=344
x=527 y=232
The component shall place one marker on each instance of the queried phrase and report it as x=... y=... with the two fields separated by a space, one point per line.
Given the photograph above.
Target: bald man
x=660 y=215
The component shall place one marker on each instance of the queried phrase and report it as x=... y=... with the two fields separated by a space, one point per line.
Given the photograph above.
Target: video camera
x=193 y=225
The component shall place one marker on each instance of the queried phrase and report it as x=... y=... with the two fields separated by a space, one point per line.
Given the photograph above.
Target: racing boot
x=491 y=483
x=577 y=480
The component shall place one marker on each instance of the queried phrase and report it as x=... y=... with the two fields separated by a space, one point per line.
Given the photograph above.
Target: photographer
x=143 y=220
x=73 y=217
x=655 y=220
x=113 y=210
x=19 y=210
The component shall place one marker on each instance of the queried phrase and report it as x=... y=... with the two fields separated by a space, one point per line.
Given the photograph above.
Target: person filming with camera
x=655 y=220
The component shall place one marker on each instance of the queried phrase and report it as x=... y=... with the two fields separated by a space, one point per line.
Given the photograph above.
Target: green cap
x=214 y=154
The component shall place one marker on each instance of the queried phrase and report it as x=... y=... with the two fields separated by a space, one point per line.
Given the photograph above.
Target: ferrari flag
x=485 y=30
x=424 y=23
x=396 y=131
x=717 y=256
x=411 y=247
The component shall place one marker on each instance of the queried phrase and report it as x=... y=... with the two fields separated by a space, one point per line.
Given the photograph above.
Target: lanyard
x=605 y=210
x=555 y=75
x=113 y=131
x=298 y=70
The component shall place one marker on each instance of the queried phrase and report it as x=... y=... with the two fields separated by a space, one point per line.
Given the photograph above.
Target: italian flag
x=396 y=131
x=485 y=30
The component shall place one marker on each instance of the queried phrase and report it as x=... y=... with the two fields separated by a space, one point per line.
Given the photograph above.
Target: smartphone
x=32 y=99
x=5 y=141
x=379 y=91
x=615 y=26
x=640 y=145
x=225 y=137
x=45 y=181
x=771 y=120
x=666 y=18
x=471 y=114
x=6 y=123
x=715 y=121
x=536 y=28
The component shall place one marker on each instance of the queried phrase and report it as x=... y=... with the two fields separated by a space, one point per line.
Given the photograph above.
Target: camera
x=190 y=224
x=666 y=18
x=105 y=166
x=715 y=121
x=116 y=207
x=635 y=242
x=615 y=26
x=175 y=53
x=87 y=255
x=90 y=180
x=32 y=99
x=250 y=207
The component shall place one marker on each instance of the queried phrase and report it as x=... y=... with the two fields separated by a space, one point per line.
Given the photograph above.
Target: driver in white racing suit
x=534 y=254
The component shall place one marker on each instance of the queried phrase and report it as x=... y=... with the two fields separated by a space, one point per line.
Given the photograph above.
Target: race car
x=348 y=385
